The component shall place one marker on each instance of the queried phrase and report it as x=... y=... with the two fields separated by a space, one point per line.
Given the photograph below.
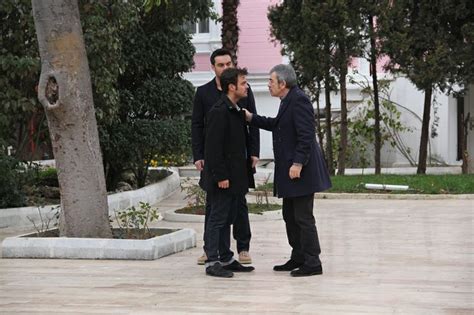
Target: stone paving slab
x=379 y=257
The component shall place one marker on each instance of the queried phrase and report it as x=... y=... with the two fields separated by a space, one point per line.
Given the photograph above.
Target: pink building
x=256 y=52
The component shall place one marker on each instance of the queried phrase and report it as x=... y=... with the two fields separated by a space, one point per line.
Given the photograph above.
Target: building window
x=199 y=27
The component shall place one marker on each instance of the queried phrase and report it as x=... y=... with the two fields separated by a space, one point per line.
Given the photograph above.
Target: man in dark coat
x=206 y=96
x=226 y=174
x=300 y=170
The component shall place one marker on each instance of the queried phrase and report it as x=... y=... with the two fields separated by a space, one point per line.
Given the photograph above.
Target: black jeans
x=301 y=230
x=241 y=225
x=217 y=234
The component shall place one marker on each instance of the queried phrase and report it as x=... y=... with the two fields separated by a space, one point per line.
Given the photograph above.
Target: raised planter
x=151 y=194
x=30 y=246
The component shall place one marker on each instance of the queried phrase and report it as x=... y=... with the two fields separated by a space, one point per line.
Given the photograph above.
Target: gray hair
x=285 y=73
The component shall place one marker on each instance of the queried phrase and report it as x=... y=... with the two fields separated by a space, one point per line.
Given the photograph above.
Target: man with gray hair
x=300 y=170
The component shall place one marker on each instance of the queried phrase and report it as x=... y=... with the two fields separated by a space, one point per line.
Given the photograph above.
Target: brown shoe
x=244 y=257
x=202 y=260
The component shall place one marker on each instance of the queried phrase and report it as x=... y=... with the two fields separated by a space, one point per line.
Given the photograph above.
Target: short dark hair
x=219 y=52
x=230 y=76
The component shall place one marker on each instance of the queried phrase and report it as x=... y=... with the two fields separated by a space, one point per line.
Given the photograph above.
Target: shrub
x=133 y=222
x=195 y=195
x=47 y=177
x=11 y=194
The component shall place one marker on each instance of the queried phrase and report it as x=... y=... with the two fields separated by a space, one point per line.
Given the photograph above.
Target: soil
x=254 y=208
x=117 y=233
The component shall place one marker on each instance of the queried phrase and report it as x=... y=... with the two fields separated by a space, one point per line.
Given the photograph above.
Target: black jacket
x=225 y=149
x=294 y=141
x=206 y=96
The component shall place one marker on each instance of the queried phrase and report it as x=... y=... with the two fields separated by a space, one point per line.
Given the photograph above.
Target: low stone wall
x=98 y=248
x=151 y=194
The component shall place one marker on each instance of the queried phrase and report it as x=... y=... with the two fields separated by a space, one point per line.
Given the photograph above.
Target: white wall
x=444 y=146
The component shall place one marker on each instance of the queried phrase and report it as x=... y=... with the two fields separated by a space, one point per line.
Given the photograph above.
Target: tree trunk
x=341 y=167
x=463 y=144
x=327 y=95
x=65 y=92
x=425 y=126
x=230 y=27
x=373 y=66
x=318 y=118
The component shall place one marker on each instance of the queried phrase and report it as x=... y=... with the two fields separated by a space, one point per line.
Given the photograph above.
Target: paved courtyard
x=379 y=257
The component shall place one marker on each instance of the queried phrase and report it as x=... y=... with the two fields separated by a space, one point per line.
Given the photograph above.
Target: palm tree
x=230 y=27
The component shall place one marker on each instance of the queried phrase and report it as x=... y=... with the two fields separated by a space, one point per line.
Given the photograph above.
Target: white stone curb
x=392 y=196
x=172 y=216
x=98 y=248
x=152 y=194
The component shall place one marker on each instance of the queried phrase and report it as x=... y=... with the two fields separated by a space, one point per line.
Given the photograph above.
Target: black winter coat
x=225 y=152
x=206 y=96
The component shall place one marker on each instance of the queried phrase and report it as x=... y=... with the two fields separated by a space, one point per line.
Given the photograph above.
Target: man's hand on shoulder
x=199 y=165
x=248 y=115
x=223 y=184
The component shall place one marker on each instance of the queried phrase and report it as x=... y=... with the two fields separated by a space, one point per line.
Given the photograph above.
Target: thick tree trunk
x=425 y=126
x=341 y=165
x=230 y=27
x=373 y=65
x=65 y=92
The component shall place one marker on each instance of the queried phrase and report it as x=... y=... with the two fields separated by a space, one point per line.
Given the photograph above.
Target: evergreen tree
x=309 y=53
x=155 y=100
x=327 y=34
x=428 y=41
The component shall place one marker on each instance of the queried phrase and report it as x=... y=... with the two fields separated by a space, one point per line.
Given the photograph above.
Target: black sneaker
x=217 y=270
x=305 y=271
x=288 y=266
x=238 y=267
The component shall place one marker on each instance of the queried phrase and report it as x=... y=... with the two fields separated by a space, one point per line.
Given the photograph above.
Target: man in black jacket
x=300 y=170
x=206 y=96
x=226 y=177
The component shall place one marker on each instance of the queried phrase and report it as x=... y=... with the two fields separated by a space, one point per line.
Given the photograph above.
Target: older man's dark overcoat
x=294 y=141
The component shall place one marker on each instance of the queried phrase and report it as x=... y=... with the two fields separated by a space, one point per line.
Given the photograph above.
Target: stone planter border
x=98 y=248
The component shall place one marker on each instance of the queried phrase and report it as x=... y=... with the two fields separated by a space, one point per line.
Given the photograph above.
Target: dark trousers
x=217 y=233
x=241 y=225
x=301 y=230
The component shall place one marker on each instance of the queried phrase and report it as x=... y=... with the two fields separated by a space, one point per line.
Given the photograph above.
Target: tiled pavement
x=379 y=257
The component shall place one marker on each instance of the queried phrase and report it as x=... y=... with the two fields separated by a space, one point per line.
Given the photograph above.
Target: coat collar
x=228 y=103
x=285 y=102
